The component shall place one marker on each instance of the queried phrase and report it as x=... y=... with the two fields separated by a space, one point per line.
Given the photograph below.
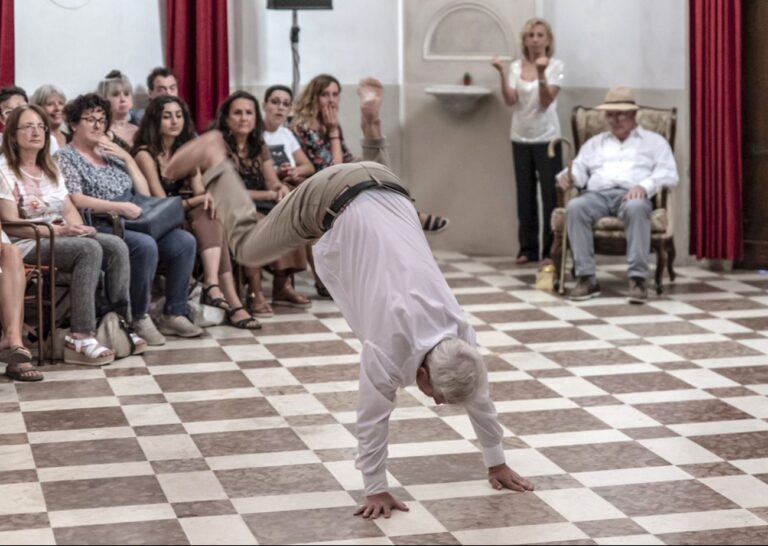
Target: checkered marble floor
x=637 y=424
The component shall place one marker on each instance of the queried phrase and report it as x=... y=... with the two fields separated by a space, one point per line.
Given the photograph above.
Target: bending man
x=375 y=261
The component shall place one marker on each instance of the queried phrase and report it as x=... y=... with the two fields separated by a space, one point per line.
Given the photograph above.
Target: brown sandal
x=23 y=371
x=260 y=310
x=291 y=298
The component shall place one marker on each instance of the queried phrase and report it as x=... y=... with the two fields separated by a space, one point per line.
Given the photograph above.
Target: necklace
x=33 y=177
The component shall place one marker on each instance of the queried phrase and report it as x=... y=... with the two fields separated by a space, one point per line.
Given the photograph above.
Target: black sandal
x=206 y=299
x=322 y=291
x=250 y=323
x=434 y=224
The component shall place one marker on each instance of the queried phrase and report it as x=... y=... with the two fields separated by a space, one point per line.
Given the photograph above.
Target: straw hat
x=620 y=99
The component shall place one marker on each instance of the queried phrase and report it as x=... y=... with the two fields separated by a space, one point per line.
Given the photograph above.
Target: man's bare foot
x=371 y=94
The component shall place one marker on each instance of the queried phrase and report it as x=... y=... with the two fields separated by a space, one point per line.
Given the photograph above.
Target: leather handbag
x=159 y=215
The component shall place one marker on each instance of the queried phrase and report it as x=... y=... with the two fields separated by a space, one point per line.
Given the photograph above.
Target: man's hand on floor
x=501 y=476
x=381 y=503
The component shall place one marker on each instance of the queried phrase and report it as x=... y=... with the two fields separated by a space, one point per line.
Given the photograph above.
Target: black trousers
x=531 y=166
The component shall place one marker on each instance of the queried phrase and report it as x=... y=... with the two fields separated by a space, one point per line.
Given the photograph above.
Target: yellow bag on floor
x=545 y=278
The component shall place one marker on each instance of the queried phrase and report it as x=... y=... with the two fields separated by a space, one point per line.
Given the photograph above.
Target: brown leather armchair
x=609 y=231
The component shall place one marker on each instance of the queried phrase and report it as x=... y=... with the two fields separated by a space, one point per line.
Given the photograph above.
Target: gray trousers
x=84 y=258
x=583 y=211
x=298 y=218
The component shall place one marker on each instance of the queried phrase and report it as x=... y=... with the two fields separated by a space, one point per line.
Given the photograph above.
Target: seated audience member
x=52 y=100
x=239 y=119
x=31 y=187
x=98 y=173
x=620 y=170
x=17 y=357
x=292 y=164
x=165 y=127
x=160 y=82
x=117 y=89
x=316 y=125
x=10 y=98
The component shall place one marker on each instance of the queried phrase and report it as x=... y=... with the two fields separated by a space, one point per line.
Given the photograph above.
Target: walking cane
x=564 y=254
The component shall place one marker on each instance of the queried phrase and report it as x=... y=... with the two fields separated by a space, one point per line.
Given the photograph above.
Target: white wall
x=75 y=48
x=354 y=39
x=604 y=43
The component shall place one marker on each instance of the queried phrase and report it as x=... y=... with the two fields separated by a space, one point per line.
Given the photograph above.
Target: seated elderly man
x=375 y=261
x=619 y=171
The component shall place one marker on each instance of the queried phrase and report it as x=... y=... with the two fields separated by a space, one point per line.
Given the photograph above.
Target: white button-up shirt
x=644 y=158
x=377 y=265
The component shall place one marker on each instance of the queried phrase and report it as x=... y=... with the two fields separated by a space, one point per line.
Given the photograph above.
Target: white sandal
x=87 y=351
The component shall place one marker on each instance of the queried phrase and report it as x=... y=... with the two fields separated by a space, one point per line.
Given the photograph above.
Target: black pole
x=295 y=51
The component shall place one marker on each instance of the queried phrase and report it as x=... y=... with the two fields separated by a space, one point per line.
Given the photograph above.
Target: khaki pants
x=295 y=221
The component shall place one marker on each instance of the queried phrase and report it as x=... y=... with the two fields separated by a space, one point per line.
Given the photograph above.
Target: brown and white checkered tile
x=637 y=424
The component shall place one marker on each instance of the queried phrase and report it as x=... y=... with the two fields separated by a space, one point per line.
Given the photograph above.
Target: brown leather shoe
x=638 y=293
x=586 y=288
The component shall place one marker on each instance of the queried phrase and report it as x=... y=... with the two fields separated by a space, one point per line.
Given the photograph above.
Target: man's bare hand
x=638 y=192
x=381 y=503
x=501 y=476
x=565 y=181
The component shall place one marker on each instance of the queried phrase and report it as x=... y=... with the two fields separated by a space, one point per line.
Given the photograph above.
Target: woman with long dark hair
x=166 y=125
x=242 y=126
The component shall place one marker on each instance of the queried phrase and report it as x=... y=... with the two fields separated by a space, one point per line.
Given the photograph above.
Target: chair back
x=588 y=122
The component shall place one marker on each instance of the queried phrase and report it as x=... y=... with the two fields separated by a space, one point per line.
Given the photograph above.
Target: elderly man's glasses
x=29 y=127
x=95 y=122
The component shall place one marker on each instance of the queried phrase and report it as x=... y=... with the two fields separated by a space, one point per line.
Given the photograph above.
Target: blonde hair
x=114 y=80
x=528 y=27
x=307 y=107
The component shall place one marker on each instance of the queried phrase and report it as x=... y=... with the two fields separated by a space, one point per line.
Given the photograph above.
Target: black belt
x=349 y=193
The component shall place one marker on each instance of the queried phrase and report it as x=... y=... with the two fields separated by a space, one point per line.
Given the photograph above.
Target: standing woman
x=167 y=125
x=531 y=89
x=239 y=119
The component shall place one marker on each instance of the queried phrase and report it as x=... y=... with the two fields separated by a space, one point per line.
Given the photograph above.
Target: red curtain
x=716 y=146
x=196 y=51
x=7 y=50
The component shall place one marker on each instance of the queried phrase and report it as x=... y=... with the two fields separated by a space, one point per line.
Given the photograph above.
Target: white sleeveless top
x=529 y=123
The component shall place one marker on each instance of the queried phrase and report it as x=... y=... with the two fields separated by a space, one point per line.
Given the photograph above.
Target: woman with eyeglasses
x=292 y=164
x=52 y=100
x=17 y=358
x=98 y=172
x=117 y=89
x=166 y=125
x=33 y=189
x=240 y=121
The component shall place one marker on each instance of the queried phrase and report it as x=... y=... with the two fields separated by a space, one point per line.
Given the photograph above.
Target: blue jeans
x=175 y=252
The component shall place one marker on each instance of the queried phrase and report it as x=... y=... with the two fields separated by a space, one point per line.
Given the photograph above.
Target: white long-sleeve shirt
x=377 y=265
x=644 y=158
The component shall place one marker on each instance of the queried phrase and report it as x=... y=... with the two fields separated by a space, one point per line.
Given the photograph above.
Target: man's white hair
x=456 y=370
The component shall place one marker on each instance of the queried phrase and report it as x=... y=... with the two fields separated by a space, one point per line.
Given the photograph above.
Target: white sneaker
x=179 y=325
x=146 y=329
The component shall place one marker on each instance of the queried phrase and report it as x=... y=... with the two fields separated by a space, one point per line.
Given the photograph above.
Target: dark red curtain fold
x=196 y=50
x=7 y=48
x=716 y=143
